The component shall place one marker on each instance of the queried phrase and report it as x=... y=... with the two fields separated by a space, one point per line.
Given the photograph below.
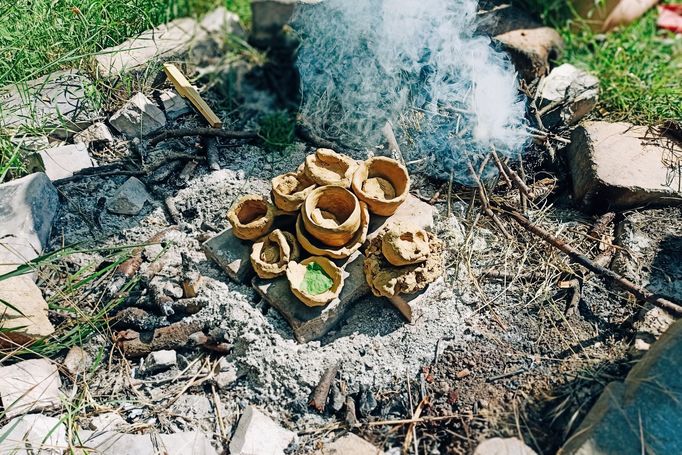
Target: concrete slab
x=231 y=254
x=310 y=323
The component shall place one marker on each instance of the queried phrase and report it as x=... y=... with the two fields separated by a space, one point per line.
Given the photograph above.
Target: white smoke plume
x=416 y=63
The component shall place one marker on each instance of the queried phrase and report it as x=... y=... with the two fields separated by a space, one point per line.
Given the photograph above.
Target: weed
x=277 y=130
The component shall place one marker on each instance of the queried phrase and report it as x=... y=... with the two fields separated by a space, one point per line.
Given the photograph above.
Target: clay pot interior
x=290 y=190
x=326 y=167
x=331 y=214
x=318 y=248
x=405 y=244
x=251 y=217
x=383 y=183
x=271 y=254
x=316 y=281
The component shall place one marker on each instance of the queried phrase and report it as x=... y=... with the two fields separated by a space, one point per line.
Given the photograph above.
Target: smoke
x=417 y=64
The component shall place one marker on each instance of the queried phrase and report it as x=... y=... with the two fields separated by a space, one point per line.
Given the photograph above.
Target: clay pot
x=383 y=183
x=313 y=246
x=251 y=217
x=290 y=190
x=331 y=214
x=326 y=167
x=405 y=244
x=271 y=254
x=296 y=273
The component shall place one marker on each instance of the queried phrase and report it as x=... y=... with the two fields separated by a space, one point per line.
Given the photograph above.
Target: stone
x=531 y=46
x=643 y=413
x=174 y=40
x=258 y=434
x=24 y=320
x=97 y=133
x=129 y=199
x=34 y=434
x=312 y=323
x=61 y=162
x=30 y=385
x=139 y=117
x=351 y=444
x=58 y=103
x=27 y=209
x=616 y=166
x=503 y=446
x=159 y=361
x=109 y=421
x=173 y=104
x=231 y=254
x=112 y=443
x=77 y=361
x=225 y=379
x=31 y=143
x=572 y=92
x=652 y=322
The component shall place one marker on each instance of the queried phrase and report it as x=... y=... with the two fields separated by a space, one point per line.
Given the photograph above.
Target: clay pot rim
x=314 y=246
x=343 y=227
x=273 y=269
x=284 y=201
x=330 y=294
x=266 y=220
x=359 y=178
x=344 y=181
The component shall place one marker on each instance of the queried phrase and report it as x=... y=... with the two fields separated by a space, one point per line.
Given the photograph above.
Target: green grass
x=639 y=66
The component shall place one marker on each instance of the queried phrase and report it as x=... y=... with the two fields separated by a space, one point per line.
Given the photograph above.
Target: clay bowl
x=271 y=254
x=296 y=273
x=326 y=167
x=405 y=244
x=383 y=183
x=251 y=217
x=331 y=214
x=317 y=248
x=290 y=190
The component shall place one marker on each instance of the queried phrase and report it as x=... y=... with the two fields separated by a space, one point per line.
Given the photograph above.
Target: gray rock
x=30 y=385
x=97 y=133
x=129 y=199
x=572 y=92
x=61 y=162
x=139 y=117
x=503 y=446
x=31 y=143
x=111 y=443
x=367 y=402
x=250 y=436
x=351 y=444
x=159 y=361
x=77 y=361
x=614 y=168
x=641 y=414
x=173 y=104
x=58 y=103
x=27 y=209
x=34 y=434
x=108 y=421
x=23 y=312
x=231 y=254
x=174 y=40
x=311 y=323
x=412 y=306
x=530 y=45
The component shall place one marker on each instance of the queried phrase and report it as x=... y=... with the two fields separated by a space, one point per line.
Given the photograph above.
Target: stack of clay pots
x=332 y=197
x=402 y=259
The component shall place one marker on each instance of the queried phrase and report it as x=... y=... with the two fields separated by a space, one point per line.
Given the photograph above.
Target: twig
x=211 y=144
x=500 y=167
x=412 y=420
x=505 y=375
x=211 y=132
x=436 y=195
x=318 y=400
x=574 y=284
x=640 y=292
x=412 y=431
x=304 y=132
x=393 y=146
x=486 y=203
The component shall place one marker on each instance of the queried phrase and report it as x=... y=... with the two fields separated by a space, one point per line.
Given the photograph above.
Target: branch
x=212 y=132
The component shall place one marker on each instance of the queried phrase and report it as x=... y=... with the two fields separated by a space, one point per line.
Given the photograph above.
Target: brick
x=231 y=254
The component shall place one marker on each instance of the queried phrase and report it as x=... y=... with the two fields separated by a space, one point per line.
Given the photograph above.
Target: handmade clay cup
x=290 y=190
x=331 y=214
x=251 y=217
x=296 y=273
x=326 y=167
x=390 y=184
x=271 y=254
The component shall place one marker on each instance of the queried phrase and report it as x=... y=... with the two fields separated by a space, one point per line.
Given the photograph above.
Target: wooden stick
x=393 y=146
x=304 y=132
x=318 y=400
x=500 y=167
x=187 y=90
x=640 y=292
x=202 y=132
x=485 y=202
